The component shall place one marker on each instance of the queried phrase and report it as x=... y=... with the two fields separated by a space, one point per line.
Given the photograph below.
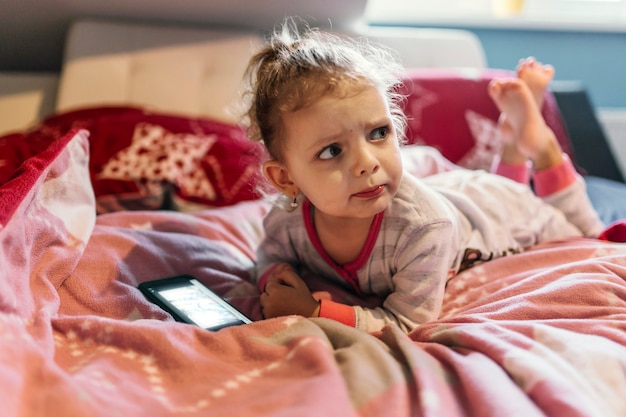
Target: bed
x=135 y=178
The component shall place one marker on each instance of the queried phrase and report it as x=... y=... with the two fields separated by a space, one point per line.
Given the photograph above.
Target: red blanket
x=540 y=333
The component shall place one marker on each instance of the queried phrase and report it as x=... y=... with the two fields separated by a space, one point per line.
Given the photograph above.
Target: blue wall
x=596 y=59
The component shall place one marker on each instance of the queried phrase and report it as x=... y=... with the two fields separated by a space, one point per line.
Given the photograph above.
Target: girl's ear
x=277 y=174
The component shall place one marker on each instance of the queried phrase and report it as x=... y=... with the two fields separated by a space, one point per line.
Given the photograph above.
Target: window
x=568 y=14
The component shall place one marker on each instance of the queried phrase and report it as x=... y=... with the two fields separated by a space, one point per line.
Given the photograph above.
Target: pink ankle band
x=554 y=179
x=516 y=172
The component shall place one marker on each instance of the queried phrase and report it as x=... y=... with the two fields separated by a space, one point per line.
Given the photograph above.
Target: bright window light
x=494 y=12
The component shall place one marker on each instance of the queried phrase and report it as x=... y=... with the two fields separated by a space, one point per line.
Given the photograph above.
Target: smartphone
x=190 y=301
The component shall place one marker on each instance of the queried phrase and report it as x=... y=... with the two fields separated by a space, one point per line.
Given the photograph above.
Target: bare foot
x=537 y=77
x=531 y=137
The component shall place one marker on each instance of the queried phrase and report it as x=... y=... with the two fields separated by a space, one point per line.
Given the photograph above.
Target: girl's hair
x=294 y=69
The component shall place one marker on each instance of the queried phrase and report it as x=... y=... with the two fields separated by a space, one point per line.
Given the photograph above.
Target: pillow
x=451 y=111
x=18 y=147
x=144 y=160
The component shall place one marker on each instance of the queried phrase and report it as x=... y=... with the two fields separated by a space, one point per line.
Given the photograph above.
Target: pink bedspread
x=540 y=333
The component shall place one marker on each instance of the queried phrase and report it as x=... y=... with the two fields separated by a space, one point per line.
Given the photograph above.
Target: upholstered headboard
x=199 y=72
x=194 y=72
x=25 y=98
x=186 y=71
x=431 y=47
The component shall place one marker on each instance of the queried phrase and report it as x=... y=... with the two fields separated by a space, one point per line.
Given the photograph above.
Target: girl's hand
x=285 y=293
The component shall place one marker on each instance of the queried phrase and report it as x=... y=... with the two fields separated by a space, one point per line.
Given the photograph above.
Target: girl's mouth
x=371 y=192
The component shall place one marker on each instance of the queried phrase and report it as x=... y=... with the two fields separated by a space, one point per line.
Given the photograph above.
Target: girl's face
x=342 y=153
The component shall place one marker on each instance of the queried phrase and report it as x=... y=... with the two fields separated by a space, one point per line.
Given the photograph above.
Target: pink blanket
x=540 y=333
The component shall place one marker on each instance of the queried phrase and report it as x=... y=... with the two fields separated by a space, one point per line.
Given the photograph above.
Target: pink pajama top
x=434 y=227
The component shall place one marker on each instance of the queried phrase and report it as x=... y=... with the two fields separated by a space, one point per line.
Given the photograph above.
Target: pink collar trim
x=347 y=271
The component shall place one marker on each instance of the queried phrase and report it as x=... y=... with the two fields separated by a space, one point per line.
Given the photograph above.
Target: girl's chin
x=369 y=208
x=360 y=208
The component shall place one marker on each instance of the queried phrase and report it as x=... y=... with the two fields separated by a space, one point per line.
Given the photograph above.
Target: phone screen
x=190 y=301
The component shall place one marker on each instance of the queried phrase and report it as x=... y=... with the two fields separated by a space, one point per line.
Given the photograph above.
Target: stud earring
x=294 y=203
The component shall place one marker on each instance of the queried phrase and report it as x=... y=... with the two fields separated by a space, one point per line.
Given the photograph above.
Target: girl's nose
x=366 y=162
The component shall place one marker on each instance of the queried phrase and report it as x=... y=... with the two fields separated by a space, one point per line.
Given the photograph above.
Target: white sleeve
x=276 y=245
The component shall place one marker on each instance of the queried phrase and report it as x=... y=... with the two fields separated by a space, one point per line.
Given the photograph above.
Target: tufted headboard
x=198 y=72
x=180 y=70
x=184 y=71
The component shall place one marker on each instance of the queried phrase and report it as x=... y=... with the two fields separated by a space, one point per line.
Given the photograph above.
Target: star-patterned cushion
x=143 y=160
x=158 y=155
x=452 y=111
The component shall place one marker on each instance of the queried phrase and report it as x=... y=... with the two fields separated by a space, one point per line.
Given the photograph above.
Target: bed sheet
x=541 y=333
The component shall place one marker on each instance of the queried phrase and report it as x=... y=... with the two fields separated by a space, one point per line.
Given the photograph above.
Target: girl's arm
x=423 y=260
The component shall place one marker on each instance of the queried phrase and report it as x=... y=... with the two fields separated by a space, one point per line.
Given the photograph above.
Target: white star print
x=157 y=154
x=487 y=140
x=141 y=226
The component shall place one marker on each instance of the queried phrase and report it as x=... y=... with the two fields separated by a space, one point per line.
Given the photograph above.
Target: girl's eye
x=380 y=133
x=329 y=152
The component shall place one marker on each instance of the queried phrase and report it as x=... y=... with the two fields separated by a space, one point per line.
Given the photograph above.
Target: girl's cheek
x=336 y=177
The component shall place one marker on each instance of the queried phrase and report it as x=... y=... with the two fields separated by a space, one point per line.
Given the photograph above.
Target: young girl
x=326 y=109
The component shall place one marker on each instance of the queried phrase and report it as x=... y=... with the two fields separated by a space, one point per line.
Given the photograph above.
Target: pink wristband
x=340 y=312
x=263 y=279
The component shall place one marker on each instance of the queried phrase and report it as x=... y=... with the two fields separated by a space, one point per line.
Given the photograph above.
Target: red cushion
x=210 y=162
x=452 y=111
